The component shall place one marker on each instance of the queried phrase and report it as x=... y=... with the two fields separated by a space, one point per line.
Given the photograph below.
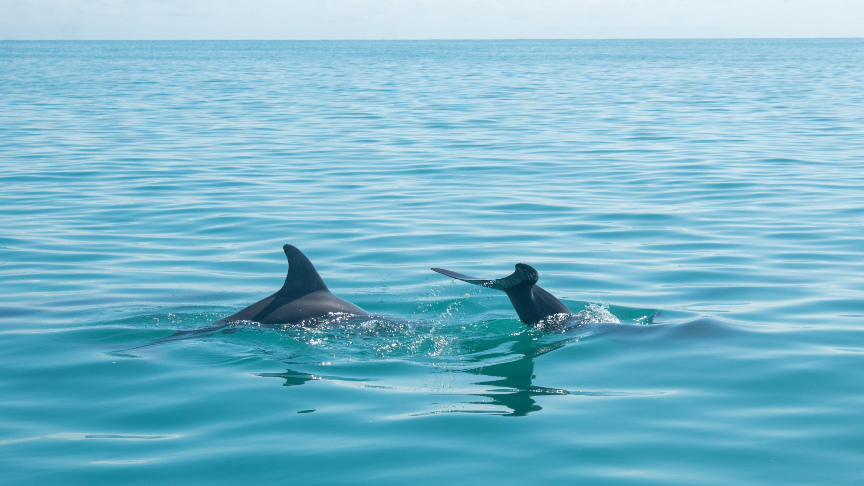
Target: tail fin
x=524 y=275
x=532 y=303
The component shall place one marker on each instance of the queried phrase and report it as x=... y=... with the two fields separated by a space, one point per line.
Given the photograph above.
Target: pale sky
x=428 y=19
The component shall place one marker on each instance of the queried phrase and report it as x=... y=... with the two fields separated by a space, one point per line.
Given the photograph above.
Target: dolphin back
x=302 y=280
x=531 y=302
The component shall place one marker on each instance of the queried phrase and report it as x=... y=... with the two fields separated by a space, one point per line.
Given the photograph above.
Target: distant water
x=147 y=188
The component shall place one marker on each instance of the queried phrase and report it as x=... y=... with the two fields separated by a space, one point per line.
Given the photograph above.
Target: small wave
x=125 y=462
x=85 y=436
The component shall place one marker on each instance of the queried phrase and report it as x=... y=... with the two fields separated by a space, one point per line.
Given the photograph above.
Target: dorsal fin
x=302 y=276
x=302 y=279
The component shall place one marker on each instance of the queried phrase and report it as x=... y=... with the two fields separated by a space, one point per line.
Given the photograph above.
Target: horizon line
x=435 y=39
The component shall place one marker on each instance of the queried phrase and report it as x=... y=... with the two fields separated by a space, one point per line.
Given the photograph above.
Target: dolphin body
x=532 y=303
x=304 y=295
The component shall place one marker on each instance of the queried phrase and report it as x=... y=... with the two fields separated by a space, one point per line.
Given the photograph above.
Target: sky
x=428 y=19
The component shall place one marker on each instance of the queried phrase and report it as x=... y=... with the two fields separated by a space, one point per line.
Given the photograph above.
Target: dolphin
x=304 y=295
x=532 y=303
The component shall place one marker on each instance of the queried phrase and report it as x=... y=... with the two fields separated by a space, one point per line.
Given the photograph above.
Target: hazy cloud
x=427 y=19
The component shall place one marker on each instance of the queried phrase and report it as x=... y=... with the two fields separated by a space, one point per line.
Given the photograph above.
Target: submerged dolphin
x=532 y=303
x=304 y=295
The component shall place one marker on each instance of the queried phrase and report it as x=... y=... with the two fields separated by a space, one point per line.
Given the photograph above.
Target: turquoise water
x=147 y=188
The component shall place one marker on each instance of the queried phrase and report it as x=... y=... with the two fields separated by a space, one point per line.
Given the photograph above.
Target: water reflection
x=297 y=378
x=514 y=386
x=499 y=370
x=510 y=389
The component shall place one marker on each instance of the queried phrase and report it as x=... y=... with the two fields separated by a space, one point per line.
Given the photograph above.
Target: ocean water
x=697 y=204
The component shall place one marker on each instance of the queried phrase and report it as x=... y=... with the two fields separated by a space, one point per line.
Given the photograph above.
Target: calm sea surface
x=700 y=204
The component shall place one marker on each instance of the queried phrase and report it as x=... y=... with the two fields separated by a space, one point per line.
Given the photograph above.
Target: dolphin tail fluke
x=532 y=303
x=525 y=275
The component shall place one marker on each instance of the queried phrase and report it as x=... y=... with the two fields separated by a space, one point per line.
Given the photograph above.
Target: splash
x=596 y=313
x=591 y=314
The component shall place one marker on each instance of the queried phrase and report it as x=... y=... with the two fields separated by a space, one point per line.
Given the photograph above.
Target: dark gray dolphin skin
x=532 y=303
x=304 y=295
